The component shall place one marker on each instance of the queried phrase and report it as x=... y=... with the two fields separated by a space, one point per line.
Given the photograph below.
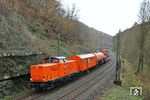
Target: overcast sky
x=107 y=16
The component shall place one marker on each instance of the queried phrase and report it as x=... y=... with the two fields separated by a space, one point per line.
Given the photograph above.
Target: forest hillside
x=30 y=30
x=130 y=47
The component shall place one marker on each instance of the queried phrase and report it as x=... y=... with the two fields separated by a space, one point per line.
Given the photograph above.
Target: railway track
x=72 y=93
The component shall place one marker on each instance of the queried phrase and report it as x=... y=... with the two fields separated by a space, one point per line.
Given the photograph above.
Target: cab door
x=84 y=64
x=61 y=69
x=66 y=66
x=86 y=60
x=54 y=72
x=63 y=66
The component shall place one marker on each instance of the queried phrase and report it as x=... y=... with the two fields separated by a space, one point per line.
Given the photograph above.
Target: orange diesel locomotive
x=54 y=69
x=59 y=69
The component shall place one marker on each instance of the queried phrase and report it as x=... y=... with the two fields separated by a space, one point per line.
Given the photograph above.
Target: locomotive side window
x=61 y=60
x=55 y=60
x=90 y=60
x=48 y=60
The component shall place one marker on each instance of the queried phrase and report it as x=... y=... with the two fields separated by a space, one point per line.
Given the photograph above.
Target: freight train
x=57 y=69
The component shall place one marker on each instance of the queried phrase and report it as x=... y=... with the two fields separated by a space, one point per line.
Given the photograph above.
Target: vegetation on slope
x=135 y=47
x=32 y=26
x=129 y=79
x=29 y=31
x=130 y=48
x=27 y=24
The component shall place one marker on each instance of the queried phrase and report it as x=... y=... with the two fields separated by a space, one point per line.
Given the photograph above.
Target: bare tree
x=144 y=18
x=72 y=13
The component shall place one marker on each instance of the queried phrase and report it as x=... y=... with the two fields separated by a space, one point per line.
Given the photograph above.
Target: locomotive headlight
x=30 y=79
x=44 y=78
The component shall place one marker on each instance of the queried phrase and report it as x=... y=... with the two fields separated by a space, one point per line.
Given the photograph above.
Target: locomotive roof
x=59 y=57
x=86 y=56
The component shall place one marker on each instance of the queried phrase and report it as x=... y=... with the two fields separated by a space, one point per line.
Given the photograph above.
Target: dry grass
x=129 y=79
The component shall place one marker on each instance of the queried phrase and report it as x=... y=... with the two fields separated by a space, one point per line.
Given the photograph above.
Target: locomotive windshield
x=51 y=60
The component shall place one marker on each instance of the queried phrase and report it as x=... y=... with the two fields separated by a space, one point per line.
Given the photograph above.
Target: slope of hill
x=130 y=48
x=28 y=34
x=129 y=45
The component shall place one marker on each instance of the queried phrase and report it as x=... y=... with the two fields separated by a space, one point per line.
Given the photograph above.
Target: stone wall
x=16 y=65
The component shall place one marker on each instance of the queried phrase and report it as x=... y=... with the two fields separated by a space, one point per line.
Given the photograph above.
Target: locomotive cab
x=60 y=59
